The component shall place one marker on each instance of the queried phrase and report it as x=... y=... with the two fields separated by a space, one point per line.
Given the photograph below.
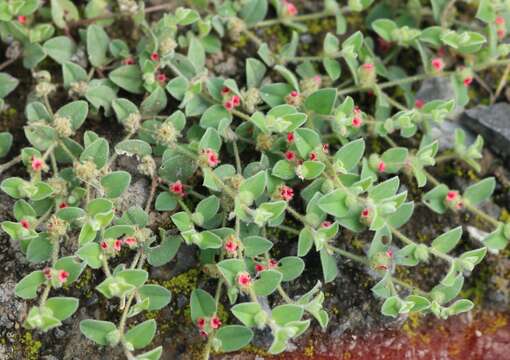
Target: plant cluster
x=282 y=147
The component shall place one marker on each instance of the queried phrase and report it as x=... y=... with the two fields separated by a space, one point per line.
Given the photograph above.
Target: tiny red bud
x=467 y=81
x=244 y=279
x=356 y=122
x=313 y=156
x=419 y=103
x=215 y=322
x=22 y=19
x=201 y=323
x=231 y=246
x=290 y=155
x=286 y=193
x=236 y=101
x=229 y=105
x=290 y=137
x=294 y=93
x=500 y=20
x=365 y=213
x=259 y=267
x=177 y=188
x=117 y=245
x=155 y=56
x=272 y=263
x=437 y=64
x=381 y=167
x=451 y=195
x=25 y=224
x=326 y=224
x=62 y=276
x=225 y=90
x=62 y=205
x=104 y=245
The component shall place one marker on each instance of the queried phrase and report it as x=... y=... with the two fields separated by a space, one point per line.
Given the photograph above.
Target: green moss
x=27 y=346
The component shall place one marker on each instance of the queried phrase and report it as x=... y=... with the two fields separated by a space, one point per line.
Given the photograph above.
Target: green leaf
x=253 y=187
x=284 y=169
x=284 y=314
x=291 y=267
x=62 y=307
x=91 y=255
x=5 y=143
x=480 y=192
x=312 y=169
x=305 y=241
x=128 y=77
x=153 y=354
x=306 y=140
x=322 y=101
x=63 y=11
x=329 y=268
x=27 y=287
x=267 y=282
x=97 y=152
x=233 y=337
x=230 y=268
x=460 y=306
x=385 y=189
x=214 y=116
x=391 y=306
x=39 y=249
x=256 y=245
x=165 y=202
x=384 y=28
x=133 y=147
x=158 y=296
x=334 y=204
x=97 y=330
x=73 y=73
x=446 y=242
x=115 y=183
x=142 y=334
x=202 y=305
x=60 y=48
x=75 y=111
x=247 y=313
x=97 y=45
x=253 y=11
x=163 y=253
x=350 y=154
x=155 y=102
x=134 y=277
x=7 y=84
x=255 y=71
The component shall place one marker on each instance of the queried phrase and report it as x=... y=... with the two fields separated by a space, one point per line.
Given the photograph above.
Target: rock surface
x=493 y=123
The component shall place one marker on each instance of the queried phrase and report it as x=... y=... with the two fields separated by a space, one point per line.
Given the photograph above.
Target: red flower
x=389 y=253
x=313 y=156
x=244 y=279
x=290 y=8
x=325 y=148
x=290 y=137
x=231 y=246
x=161 y=78
x=451 y=195
x=294 y=93
x=501 y=33
x=225 y=90
x=356 y=122
x=368 y=66
x=272 y=263
x=290 y=155
x=201 y=323
x=437 y=64
x=128 y=61
x=419 y=103
x=236 y=101
x=326 y=224
x=37 y=164
x=203 y=333
x=177 y=188
x=467 y=81
x=25 y=224
x=117 y=245
x=212 y=157
x=104 y=245
x=130 y=241
x=259 y=267
x=62 y=276
x=500 y=20
x=229 y=105
x=286 y=193
x=155 y=56
x=47 y=273
x=381 y=167
x=22 y=19
x=62 y=205
x=365 y=213
x=215 y=322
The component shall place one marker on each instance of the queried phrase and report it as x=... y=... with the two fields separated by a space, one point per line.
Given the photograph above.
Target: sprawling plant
x=279 y=151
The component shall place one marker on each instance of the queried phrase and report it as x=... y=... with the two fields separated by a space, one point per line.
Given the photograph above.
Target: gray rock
x=136 y=194
x=12 y=310
x=493 y=123
x=444 y=132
